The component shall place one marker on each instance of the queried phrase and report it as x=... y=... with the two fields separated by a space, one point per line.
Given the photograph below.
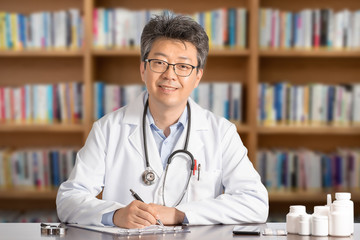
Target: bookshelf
x=249 y=66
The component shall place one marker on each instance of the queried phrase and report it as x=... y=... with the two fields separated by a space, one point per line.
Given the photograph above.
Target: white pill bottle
x=292 y=218
x=341 y=221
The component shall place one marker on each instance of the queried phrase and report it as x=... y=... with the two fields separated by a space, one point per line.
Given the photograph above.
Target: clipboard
x=150 y=230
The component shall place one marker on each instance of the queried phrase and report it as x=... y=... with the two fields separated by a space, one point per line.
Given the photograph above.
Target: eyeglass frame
x=148 y=60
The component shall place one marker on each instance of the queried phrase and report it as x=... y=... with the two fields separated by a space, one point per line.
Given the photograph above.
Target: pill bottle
x=340 y=221
x=304 y=224
x=322 y=210
x=319 y=225
x=344 y=198
x=292 y=218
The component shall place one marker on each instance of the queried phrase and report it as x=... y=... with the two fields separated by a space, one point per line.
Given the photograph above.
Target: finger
x=141 y=222
x=144 y=216
x=141 y=213
x=151 y=210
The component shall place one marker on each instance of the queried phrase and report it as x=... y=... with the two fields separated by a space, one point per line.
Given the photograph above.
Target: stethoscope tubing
x=170 y=158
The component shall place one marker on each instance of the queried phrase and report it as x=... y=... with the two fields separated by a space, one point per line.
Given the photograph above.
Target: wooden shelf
x=12 y=127
x=310 y=53
x=116 y=52
x=27 y=193
x=136 y=52
x=241 y=128
x=326 y=130
x=228 y=52
x=42 y=53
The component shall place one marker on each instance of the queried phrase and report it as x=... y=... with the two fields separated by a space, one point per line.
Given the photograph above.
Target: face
x=167 y=90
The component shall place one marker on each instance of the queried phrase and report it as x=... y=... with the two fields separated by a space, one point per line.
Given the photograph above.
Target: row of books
x=42 y=103
x=119 y=27
x=309 y=29
x=312 y=104
x=31 y=216
x=110 y=97
x=41 y=30
x=35 y=168
x=222 y=98
x=303 y=169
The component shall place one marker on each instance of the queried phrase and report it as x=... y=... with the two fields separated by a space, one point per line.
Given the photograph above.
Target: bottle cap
x=297 y=209
x=322 y=210
x=342 y=196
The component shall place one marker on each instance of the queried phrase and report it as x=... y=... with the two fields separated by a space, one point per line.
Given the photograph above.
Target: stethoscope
x=149 y=175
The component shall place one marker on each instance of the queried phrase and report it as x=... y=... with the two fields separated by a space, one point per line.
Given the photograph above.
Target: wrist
x=179 y=216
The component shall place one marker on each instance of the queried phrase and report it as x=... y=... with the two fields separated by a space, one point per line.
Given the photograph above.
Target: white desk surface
x=27 y=231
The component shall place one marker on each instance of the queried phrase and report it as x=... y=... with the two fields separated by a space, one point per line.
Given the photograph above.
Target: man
x=223 y=187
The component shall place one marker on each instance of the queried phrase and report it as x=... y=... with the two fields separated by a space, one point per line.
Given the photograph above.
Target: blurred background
x=286 y=73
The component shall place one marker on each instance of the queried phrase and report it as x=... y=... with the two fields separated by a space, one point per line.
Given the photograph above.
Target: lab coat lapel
x=198 y=124
x=133 y=116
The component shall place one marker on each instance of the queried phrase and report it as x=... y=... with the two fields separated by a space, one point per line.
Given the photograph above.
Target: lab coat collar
x=133 y=116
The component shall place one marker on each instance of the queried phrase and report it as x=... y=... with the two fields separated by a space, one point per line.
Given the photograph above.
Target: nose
x=170 y=72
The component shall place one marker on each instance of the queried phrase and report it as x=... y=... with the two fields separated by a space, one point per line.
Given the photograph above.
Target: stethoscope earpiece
x=148 y=176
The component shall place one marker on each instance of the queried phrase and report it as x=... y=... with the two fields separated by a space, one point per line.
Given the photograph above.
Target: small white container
x=304 y=224
x=292 y=221
x=340 y=224
x=343 y=198
x=319 y=225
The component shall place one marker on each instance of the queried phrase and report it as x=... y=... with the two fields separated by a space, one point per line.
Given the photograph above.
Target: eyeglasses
x=180 y=69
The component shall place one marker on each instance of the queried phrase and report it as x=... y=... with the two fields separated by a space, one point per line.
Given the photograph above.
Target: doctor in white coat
x=222 y=188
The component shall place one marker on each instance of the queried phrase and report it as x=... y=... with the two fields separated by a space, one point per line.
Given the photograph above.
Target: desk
x=25 y=231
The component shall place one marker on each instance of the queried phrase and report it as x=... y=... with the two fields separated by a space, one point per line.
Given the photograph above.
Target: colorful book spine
x=312 y=104
x=42 y=103
x=119 y=27
x=41 y=30
x=309 y=29
x=303 y=169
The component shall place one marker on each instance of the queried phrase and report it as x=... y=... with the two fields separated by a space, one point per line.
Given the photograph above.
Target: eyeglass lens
x=181 y=69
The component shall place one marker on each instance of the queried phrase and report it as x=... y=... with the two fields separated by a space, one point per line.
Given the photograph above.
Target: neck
x=165 y=117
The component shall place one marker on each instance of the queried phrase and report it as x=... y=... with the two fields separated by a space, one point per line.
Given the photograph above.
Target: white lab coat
x=229 y=190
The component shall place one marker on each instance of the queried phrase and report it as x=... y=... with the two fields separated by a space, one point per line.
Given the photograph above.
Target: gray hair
x=178 y=27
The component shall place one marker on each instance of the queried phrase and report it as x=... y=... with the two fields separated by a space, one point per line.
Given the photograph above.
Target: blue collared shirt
x=165 y=146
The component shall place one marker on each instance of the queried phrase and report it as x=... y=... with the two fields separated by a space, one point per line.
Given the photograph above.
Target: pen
x=137 y=197
x=199 y=171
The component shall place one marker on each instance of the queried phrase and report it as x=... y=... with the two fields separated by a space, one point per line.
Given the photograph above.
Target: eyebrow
x=164 y=55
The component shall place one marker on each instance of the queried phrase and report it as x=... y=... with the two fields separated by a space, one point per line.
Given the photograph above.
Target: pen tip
x=132 y=191
x=159 y=222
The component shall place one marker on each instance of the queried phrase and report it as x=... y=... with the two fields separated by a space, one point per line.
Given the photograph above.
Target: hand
x=135 y=215
x=168 y=215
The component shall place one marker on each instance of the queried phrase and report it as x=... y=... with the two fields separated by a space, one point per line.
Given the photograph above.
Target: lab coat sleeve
x=76 y=199
x=245 y=199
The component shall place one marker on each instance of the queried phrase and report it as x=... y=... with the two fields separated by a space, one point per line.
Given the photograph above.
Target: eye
x=183 y=67
x=159 y=62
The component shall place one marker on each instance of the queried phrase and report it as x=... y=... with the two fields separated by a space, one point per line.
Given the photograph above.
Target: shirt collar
x=181 y=122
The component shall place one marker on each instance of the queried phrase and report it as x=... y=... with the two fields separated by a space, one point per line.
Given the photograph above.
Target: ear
x=142 y=70
x=199 y=75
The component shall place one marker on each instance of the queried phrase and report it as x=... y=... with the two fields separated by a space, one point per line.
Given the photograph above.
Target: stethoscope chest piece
x=148 y=176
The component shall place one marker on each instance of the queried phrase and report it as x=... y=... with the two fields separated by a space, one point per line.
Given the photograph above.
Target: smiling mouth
x=168 y=88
